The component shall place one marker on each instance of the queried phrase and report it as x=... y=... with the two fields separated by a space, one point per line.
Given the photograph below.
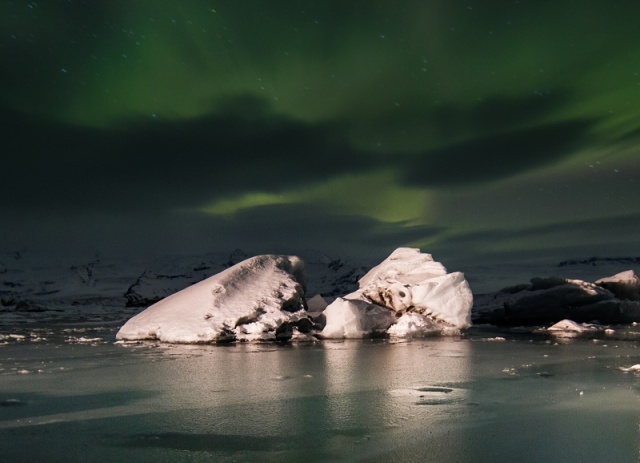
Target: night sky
x=498 y=131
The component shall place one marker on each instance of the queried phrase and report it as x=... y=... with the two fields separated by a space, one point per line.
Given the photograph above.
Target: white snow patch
x=627 y=277
x=84 y=340
x=567 y=325
x=355 y=319
x=414 y=325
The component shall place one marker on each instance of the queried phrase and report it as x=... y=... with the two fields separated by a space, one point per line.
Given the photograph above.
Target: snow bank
x=260 y=298
x=408 y=294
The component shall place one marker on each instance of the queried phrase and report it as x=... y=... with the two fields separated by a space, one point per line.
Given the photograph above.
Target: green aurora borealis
x=503 y=129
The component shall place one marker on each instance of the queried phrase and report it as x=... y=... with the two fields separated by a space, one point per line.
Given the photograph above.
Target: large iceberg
x=261 y=298
x=408 y=294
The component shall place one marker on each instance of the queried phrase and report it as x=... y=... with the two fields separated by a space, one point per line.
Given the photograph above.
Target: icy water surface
x=82 y=398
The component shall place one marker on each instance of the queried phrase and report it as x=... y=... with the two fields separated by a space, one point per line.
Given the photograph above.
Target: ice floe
x=569 y=328
x=632 y=369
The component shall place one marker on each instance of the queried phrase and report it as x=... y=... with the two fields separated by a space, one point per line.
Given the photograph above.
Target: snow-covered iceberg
x=408 y=294
x=260 y=298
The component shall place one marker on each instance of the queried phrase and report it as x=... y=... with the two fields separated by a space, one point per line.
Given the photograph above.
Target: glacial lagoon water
x=479 y=398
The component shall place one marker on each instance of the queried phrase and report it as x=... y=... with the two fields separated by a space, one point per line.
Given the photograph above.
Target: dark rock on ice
x=25 y=306
x=599 y=261
x=237 y=256
x=548 y=300
x=150 y=287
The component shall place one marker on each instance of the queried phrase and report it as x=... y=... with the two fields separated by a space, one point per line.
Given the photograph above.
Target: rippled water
x=446 y=400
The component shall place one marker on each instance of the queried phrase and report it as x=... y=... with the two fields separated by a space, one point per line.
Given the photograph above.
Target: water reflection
x=544 y=401
x=439 y=400
x=377 y=391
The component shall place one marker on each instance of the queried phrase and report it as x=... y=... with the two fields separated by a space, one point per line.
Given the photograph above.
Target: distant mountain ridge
x=110 y=289
x=601 y=261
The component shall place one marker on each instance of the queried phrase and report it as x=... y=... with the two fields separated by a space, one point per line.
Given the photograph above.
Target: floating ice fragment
x=430 y=395
x=83 y=340
x=633 y=368
x=12 y=403
x=569 y=328
x=444 y=390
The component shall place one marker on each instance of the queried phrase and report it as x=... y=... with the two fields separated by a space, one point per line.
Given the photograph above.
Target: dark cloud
x=492 y=139
x=628 y=139
x=495 y=156
x=162 y=164
x=495 y=114
x=298 y=227
x=499 y=257
x=165 y=164
x=245 y=147
x=498 y=114
x=606 y=236
x=291 y=229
